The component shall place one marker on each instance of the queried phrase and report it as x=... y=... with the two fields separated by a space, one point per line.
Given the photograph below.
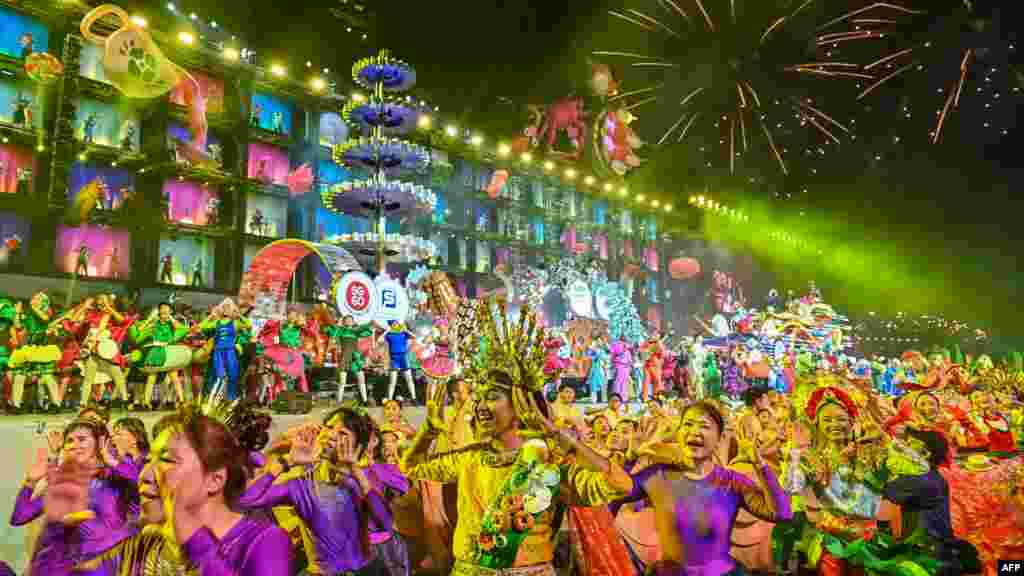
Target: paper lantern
x=684 y=268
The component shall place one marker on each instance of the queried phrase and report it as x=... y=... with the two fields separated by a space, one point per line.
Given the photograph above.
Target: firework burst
x=963 y=44
x=735 y=73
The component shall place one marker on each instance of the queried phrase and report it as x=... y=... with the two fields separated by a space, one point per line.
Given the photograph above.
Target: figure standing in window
x=278 y=123
x=22 y=112
x=254 y=116
x=89 y=127
x=115 y=263
x=128 y=142
x=166 y=268
x=197 y=272
x=26 y=42
x=82 y=265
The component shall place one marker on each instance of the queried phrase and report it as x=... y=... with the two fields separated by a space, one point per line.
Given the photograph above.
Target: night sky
x=948 y=213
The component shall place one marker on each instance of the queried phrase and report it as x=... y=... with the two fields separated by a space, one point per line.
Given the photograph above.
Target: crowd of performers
x=102 y=345
x=833 y=478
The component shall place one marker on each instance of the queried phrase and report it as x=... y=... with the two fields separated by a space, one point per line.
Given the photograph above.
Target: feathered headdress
x=517 y=350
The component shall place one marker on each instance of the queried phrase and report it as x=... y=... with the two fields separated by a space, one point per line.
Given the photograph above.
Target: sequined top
x=481 y=474
x=695 y=518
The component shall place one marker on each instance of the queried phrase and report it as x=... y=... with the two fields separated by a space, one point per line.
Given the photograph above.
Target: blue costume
x=224 y=365
x=398 y=348
x=598 y=379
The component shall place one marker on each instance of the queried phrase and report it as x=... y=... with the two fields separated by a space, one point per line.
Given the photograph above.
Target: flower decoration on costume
x=528 y=493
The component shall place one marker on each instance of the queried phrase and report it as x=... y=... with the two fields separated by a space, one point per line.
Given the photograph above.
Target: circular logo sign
x=392 y=301
x=580 y=299
x=356 y=296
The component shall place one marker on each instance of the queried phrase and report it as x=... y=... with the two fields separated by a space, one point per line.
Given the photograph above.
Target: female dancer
x=350 y=359
x=283 y=355
x=125 y=454
x=229 y=330
x=190 y=491
x=342 y=509
x=34 y=355
x=159 y=336
x=696 y=500
x=396 y=421
x=108 y=499
x=598 y=378
x=440 y=366
x=622 y=362
x=839 y=480
x=508 y=483
x=655 y=352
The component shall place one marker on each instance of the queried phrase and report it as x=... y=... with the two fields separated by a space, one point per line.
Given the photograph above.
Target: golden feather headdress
x=515 y=349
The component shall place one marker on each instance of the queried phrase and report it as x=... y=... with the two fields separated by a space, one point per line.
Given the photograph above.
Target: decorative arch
x=265 y=282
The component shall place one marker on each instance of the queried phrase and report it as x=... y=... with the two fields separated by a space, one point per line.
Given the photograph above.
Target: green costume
x=350 y=359
x=155 y=340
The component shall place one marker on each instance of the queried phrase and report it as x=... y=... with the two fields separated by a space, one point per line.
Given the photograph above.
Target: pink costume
x=622 y=363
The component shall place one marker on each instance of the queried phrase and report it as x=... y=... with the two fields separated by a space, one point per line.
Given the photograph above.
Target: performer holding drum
x=160 y=352
x=103 y=328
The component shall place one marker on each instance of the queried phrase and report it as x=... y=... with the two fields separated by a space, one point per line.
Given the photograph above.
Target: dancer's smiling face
x=699 y=434
x=494 y=412
x=834 y=423
x=927 y=407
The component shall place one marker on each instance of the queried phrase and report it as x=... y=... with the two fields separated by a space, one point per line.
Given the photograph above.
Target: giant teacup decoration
x=137 y=67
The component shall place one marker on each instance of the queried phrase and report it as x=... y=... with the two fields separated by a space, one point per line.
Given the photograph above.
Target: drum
x=178 y=356
x=107 y=350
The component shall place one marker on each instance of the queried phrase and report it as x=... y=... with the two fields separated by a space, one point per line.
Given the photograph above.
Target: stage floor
x=22 y=435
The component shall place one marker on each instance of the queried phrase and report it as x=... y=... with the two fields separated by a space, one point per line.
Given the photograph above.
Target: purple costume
x=333 y=513
x=255 y=546
x=622 y=362
x=105 y=500
x=704 y=513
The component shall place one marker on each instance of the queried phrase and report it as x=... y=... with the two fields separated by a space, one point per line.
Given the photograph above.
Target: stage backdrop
x=695 y=296
x=14 y=236
x=266 y=215
x=268 y=163
x=120 y=184
x=191 y=260
x=90 y=63
x=11 y=92
x=113 y=123
x=191 y=202
x=14 y=160
x=108 y=250
x=212 y=87
x=333 y=130
x=271 y=114
x=21 y=34
x=178 y=133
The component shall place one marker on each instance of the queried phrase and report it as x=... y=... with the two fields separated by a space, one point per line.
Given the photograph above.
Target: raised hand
x=348 y=456
x=55 y=440
x=108 y=452
x=435 y=409
x=304 y=448
x=38 y=467
x=67 y=491
x=549 y=427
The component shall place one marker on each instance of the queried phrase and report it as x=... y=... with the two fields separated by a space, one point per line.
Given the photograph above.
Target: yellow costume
x=507 y=499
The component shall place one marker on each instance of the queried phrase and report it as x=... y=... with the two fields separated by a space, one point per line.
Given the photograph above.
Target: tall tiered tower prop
x=379 y=120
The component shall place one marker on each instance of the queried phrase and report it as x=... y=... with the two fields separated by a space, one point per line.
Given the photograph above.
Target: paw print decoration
x=131 y=59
